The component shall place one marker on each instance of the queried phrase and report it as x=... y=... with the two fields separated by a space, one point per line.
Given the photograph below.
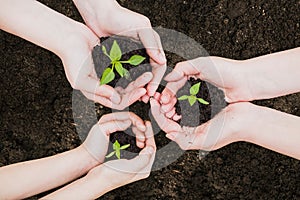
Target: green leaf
x=183 y=97
x=136 y=60
x=118 y=154
x=104 y=51
x=115 y=52
x=116 y=145
x=195 y=89
x=119 y=68
x=192 y=100
x=107 y=76
x=202 y=101
x=110 y=155
x=126 y=74
x=125 y=146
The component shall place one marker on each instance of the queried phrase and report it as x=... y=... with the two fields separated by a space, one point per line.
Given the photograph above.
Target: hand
x=112 y=174
x=107 y=17
x=227 y=75
x=98 y=139
x=227 y=127
x=80 y=71
x=122 y=172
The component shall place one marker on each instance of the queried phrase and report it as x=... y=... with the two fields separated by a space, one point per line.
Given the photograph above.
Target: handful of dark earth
x=192 y=116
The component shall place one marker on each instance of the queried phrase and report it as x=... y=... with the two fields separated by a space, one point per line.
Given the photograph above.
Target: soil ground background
x=36 y=100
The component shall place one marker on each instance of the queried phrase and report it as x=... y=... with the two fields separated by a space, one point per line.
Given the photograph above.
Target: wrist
x=91 y=9
x=87 y=158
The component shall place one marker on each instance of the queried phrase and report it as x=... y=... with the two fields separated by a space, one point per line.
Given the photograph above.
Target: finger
x=92 y=85
x=171 y=113
x=158 y=73
x=176 y=117
x=145 y=98
x=99 y=99
x=157 y=96
x=140 y=137
x=150 y=141
x=152 y=43
x=122 y=116
x=171 y=90
x=141 y=81
x=164 y=123
x=168 y=107
x=113 y=126
x=181 y=70
x=132 y=97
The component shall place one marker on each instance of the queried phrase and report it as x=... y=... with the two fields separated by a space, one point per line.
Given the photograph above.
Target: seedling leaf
x=202 y=101
x=184 y=97
x=118 y=154
x=116 y=145
x=136 y=60
x=119 y=68
x=107 y=76
x=192 y=100
x=105 y=51
x=110 y=155
x=125 y=146
x=126 y=74
x=195 y=89
x=115 y=52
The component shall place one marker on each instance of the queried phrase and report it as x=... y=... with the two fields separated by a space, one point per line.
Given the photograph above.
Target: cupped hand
x=226 y=127
x=107 y=17
x=98 y=138
x=80 y=71
x=122 y=172
x=228 y=75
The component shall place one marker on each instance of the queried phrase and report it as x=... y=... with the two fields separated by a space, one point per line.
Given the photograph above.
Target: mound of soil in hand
x=192 y=116
x=36 y=101
x=101 y=62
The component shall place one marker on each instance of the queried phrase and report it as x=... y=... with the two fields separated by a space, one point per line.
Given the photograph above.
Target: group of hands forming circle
x=235 y=78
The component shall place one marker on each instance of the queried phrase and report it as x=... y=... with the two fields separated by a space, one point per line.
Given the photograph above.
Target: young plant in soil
x=115 y=55
x=117 y=149
x=192 y=98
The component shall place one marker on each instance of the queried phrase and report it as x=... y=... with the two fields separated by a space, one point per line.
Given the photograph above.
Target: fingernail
x=171 y=137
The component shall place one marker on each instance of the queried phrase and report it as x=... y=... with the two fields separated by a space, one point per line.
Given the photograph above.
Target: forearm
x=274 y=130
x=91 y=186
x=25 y=179
x=37 y=23
x=274 y=75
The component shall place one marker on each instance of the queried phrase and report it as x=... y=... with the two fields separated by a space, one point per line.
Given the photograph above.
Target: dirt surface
x=36 y=100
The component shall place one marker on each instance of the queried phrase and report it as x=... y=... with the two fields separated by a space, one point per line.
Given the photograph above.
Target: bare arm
x=274 y=75
x=275 y=130
x=37 y=23
x=28 y=178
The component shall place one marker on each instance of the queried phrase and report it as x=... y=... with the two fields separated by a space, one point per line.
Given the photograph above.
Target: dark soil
x=101 y=62
x=36 y=100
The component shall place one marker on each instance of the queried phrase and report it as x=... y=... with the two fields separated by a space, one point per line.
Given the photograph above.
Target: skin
x=241 y=81
x=73 y=43
x=99 y=18
x=21 y=180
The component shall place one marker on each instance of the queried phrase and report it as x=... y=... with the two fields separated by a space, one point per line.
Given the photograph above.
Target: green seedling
x=117 y=149
x=115 y=55
x=192 y=98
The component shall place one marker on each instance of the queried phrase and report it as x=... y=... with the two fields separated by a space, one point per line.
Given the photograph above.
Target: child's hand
x=227 y=127
x=98 y=139
x=107 y=17
x=227 y=75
